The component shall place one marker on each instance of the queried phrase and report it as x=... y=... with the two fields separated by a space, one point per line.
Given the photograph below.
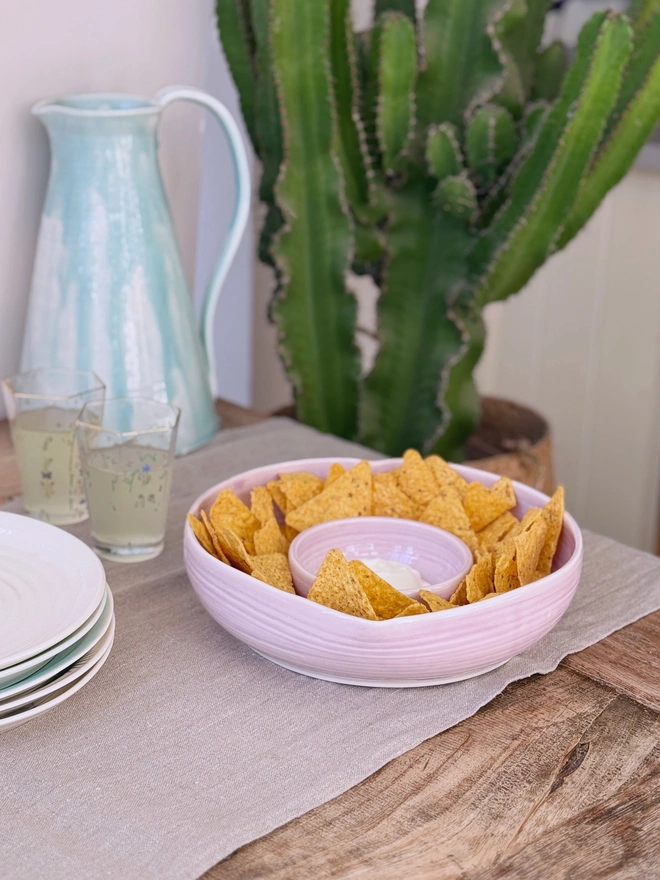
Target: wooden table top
x=558 y=777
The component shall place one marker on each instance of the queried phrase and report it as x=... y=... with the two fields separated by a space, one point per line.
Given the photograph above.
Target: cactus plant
x=447 y=156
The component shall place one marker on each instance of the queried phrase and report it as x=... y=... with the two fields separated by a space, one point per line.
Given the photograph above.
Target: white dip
x=402 y=577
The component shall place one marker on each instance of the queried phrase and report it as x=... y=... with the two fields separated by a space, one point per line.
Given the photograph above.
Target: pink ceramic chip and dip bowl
x=426 y=649
x=440 y=558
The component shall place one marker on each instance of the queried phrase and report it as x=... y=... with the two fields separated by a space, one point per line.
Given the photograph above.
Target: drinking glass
x=127 y=450
x=42 y=406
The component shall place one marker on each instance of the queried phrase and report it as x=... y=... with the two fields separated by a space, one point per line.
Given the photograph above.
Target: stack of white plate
x=57 y=621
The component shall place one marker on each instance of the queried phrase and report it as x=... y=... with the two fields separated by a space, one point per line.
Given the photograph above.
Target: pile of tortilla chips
x=508 y=553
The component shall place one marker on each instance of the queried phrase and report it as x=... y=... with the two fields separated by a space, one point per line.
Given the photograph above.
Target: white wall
x=49 y=48
x=233 y=320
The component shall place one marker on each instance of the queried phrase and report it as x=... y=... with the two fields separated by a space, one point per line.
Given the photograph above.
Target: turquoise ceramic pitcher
x=108 y=291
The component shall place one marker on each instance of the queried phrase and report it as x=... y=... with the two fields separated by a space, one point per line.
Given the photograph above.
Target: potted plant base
x=514 y=441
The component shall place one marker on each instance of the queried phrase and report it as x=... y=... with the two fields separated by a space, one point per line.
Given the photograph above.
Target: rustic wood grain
x=551 y=753
x=629 y=661
x=619 y=838
x=234 y=416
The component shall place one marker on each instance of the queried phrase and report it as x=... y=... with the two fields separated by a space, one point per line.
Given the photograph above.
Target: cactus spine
x=448 y=158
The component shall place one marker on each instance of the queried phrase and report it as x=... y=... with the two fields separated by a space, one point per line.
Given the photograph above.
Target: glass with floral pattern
x=42 y=406
x=127 y=451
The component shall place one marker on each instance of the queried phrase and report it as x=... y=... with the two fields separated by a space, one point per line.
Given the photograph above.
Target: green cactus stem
x=520 y=33
x=351 y=145
x=461 y=404
x=546 y=185
x=268 y=124
x=447 y=157
x=443 y=151
x=314 y=312
x=462 y=68
x=550 y=68
x=235 y=25
x=397 y=73
x=535 y=114
x=456 y=196
x=399 y=406
x=490 y=143
x=641 y=12
x=632 y=122
x=526 y=228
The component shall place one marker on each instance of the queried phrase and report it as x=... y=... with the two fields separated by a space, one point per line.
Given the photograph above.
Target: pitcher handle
x=241 y=210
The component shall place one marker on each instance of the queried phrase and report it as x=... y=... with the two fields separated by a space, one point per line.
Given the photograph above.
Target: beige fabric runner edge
x=188 y=745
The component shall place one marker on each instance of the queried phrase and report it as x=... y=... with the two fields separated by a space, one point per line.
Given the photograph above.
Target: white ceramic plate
x=67 y=677
x=33 y=710
x=50 y=584
x=62 y=661
x=20 y=671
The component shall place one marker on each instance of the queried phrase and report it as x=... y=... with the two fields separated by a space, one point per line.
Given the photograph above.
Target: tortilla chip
x=389 y=500
x=261 y=504
x=289 y=532
x=234 y=549
x=482 y=505
x=446 y=511
x=336 y=587
x=416 y=480
x=202 y=533
x=336 y=470
x=277 y=495
x=531 y=516
x=497 y=531
x=508 y=545
x=445 y=474
x=506 y=573
x=269 y=539
x=301 y=477
x=487 y=596
x=229 y=511
x=480 y=553
x=459 y=596
x=435 y=603
x=414 y=608
x=386 y=601
x=529 y=544
x=299 y=487
x=349 y=495
x=216 y=544
x=273 y=569
x=387 y=478
x=504 y=488
x=479 y=580
x=553 y=514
